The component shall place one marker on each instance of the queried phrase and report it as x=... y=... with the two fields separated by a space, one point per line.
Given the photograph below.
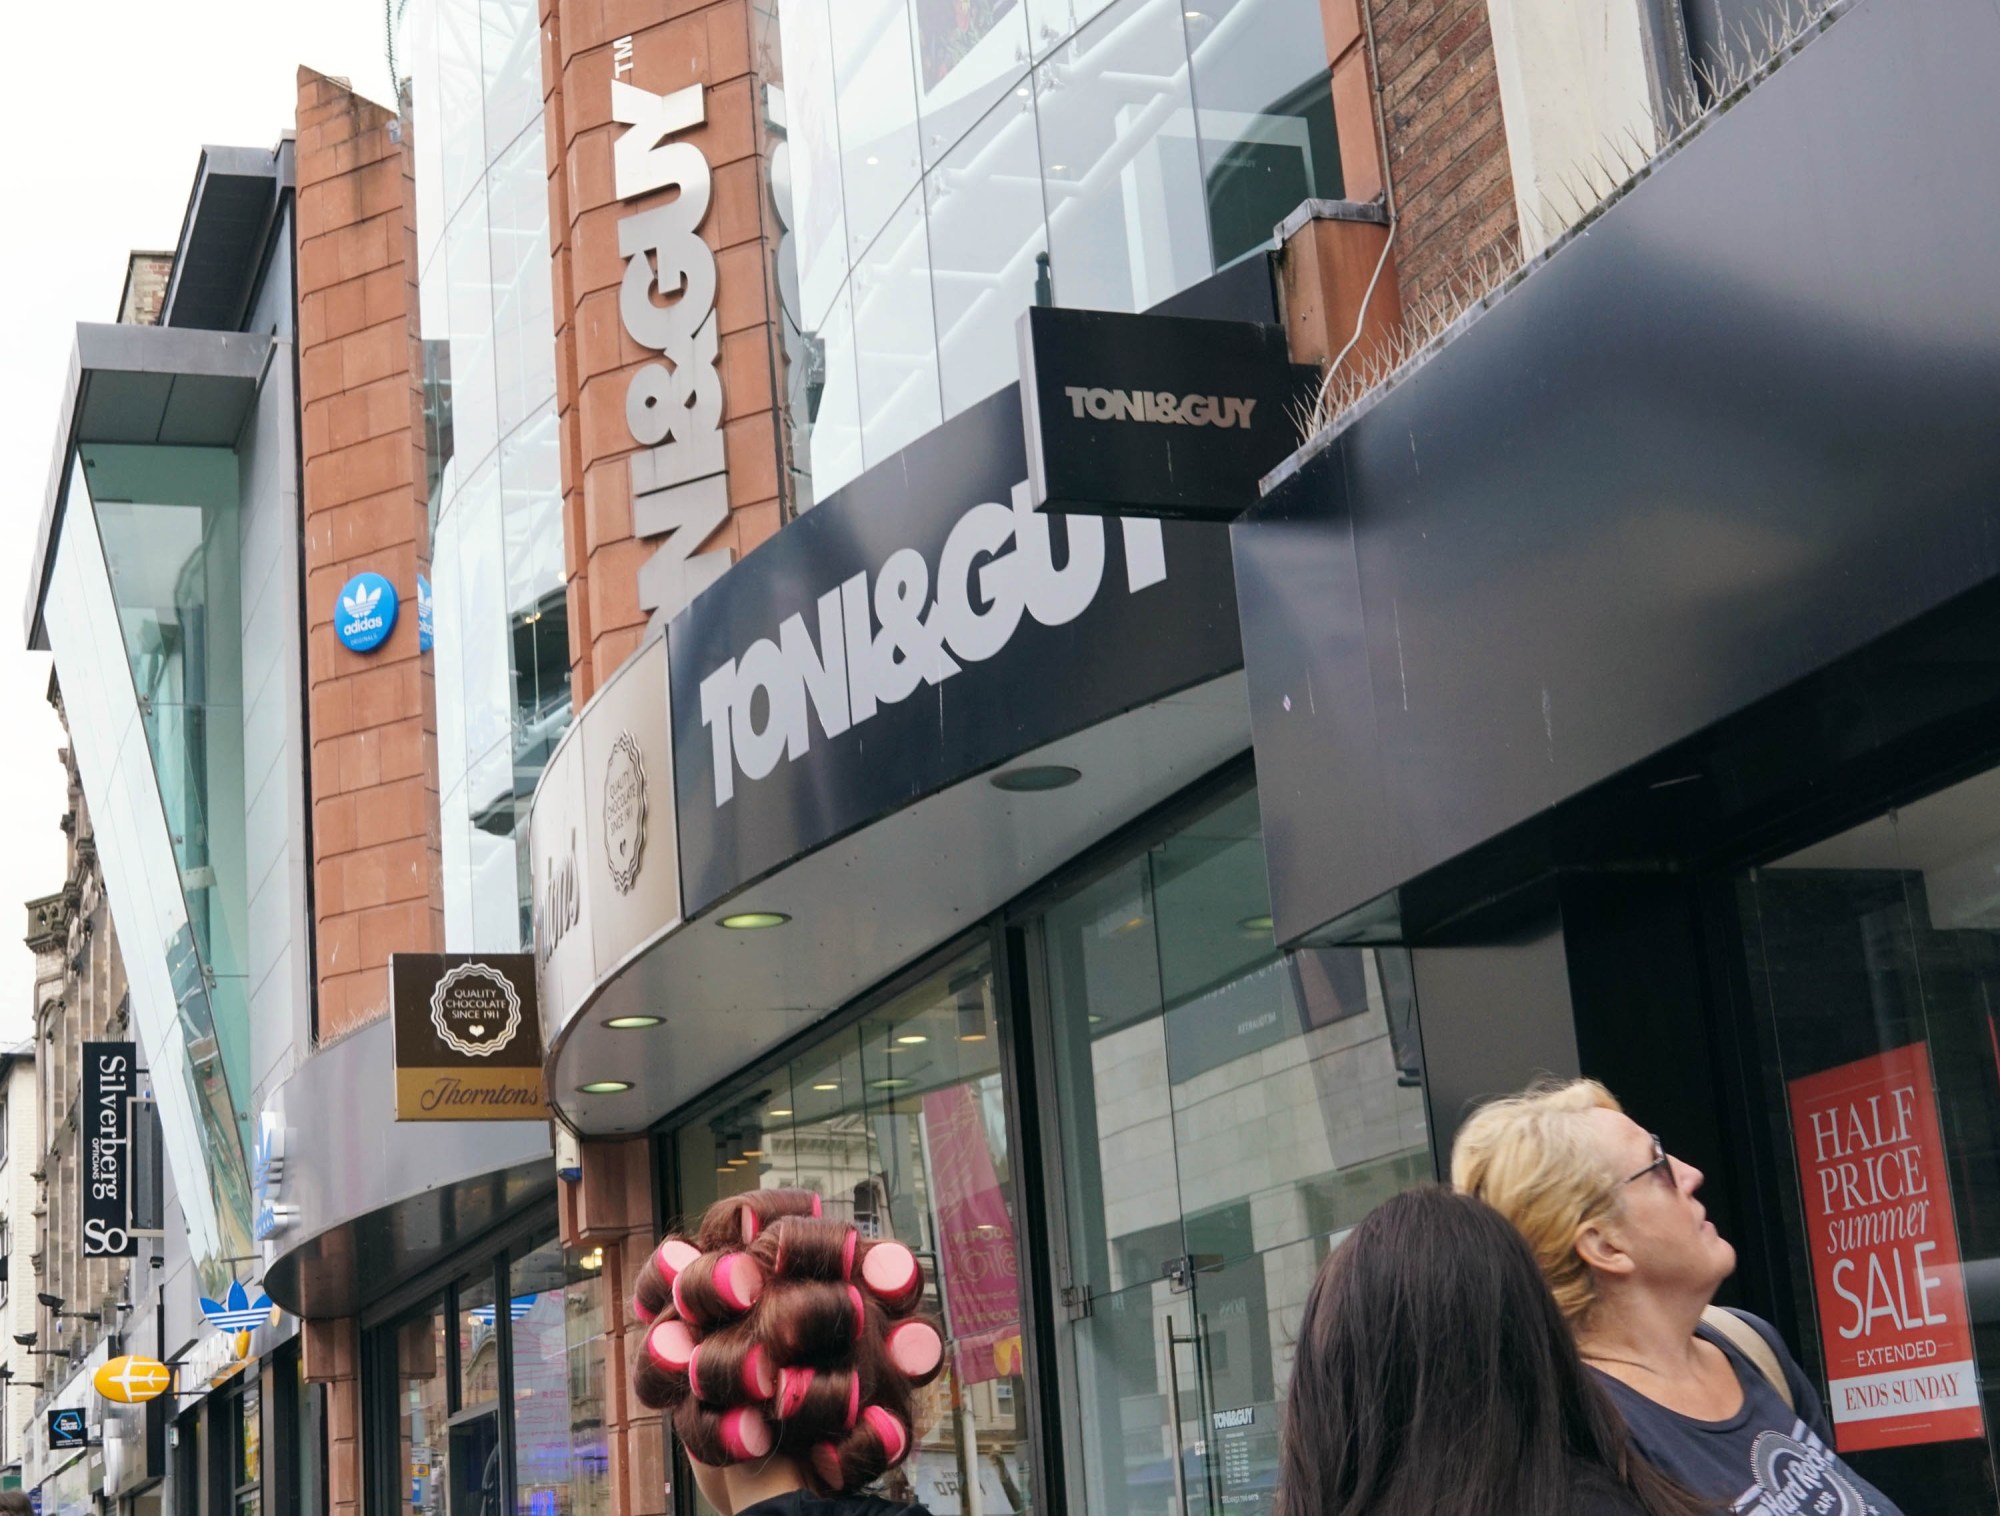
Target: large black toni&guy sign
x=109 y=1069
x=920 y=626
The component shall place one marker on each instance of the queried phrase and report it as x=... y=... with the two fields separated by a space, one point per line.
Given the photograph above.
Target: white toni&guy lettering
x=1002 y=553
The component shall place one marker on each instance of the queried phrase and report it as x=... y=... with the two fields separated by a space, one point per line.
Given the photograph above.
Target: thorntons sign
x=666 y=302
x=468 y=1037
x=922 y=625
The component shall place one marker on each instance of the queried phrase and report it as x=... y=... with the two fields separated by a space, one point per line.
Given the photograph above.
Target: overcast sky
x=106 y=109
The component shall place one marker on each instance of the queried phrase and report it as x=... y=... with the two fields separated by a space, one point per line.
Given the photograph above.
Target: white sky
x=106 y=109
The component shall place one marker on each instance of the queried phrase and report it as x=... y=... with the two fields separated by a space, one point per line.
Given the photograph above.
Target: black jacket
x=799 y=1503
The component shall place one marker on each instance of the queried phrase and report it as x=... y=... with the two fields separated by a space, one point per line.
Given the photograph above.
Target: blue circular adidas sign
x=366 y=613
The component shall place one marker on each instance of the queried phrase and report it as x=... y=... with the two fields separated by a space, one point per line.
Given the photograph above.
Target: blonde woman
x=1712 y=1398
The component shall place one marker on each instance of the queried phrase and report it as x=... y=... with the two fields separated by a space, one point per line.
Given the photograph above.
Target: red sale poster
x=1892 y=1312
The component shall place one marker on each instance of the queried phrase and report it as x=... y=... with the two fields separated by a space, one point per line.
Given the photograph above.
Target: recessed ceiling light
x=873 y=160
x=753 y=1152
x=1036 y=777
x=912 y=1039
x=631 y=1023
x=1130 y=924
x=1255 y=924
x=782 y=1110
x=971 y=1036
x=1021 y=89
x=891 y=1084
x=605 y=1087
x=1094 y=1019
x=1058 y=168
x=828 y=1086
x=754 y=921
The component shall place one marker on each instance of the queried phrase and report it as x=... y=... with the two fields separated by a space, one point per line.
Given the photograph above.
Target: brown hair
x=774 y=1331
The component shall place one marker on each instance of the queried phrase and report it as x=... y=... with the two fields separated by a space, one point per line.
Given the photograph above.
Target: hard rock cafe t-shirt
x=1766 y=1460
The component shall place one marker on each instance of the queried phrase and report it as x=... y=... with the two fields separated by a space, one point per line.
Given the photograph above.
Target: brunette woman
x=1433 y=1373
x=785 y=1349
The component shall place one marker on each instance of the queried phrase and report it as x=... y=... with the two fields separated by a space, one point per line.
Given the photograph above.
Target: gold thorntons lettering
x=448 y=1092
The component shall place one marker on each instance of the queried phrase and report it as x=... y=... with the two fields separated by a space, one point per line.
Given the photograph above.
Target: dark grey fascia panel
x=143 y=384
x=221 y=247
x=1738 y=427
x=385 y=1200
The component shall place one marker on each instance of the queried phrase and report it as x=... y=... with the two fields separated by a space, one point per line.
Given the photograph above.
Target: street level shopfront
x=1630 y=664
x=921 y=865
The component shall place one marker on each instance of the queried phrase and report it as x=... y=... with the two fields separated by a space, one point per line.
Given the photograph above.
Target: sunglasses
x=1662 y=1164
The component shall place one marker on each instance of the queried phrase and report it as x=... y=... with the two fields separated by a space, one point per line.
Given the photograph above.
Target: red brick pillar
x=332 y=1351
x=611 y=1207
x=371 y=717
x=658 y=49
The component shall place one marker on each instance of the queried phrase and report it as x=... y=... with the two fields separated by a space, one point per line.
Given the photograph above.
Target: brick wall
x=673 y=45
x=1447 y=143
x=371 y=717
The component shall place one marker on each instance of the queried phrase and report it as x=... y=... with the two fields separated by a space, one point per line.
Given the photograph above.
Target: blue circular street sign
x=366 y=613
x=426 y=618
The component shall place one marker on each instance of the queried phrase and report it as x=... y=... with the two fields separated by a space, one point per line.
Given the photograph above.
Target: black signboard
x=1155 y=415
x=109 y=1073
x=468 y=1037
x=68 y=1429
x=920 y=626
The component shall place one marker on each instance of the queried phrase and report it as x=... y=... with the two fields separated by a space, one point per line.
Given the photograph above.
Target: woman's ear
x=1601 y=1251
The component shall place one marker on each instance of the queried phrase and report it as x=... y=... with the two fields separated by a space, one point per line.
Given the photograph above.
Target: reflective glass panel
x=454 y=110
x=478 y=1342
x=899 y=1124
x=493 y=861
x=1873 y=966
x=469 y=267
x=1121 y=163
x=511 y=70
x=986 y=227
x=836 y=433
x=878 y=112
x=811 y=186
x=895 y=342
x=480 y=592
x=425 y=1408
x=1267 y=135
x=545 y=1472
x=970 y=54
x=1225 y=1114
x=523 y=297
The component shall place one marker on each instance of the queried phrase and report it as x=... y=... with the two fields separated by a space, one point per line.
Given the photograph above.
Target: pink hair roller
x=694 y=1371
x=816 y=1206
x=639 y=1312
x=738 y=1280
x=751 y=1225
x=671 y=1346
x=792 y=1387
x=853 y=1400
x=847 y=1253
x=745 y=1435
x=895 y=1441
x=758 y=1379
x=673 y=1255
x=860 y=1310
x=890 y=1271
x=915 y=1348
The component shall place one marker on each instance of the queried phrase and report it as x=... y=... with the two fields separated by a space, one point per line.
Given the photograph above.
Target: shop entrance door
x=473 y=1464
x=1221 y=1115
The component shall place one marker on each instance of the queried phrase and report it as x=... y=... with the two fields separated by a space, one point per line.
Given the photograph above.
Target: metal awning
x=143 y=384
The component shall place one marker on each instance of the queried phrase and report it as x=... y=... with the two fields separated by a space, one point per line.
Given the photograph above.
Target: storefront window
x=1873 y=962
x=898 y=1123
x=419 y=1346
x=248 y=1473
x=560 y=1461
x=1225 y=1115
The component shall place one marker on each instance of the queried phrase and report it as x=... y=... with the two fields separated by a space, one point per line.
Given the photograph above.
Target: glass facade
x=491 y=1408
x=144 y=612
x=486 y=312
x=1873 y=963
x=951 y=163
x=1216 y=1116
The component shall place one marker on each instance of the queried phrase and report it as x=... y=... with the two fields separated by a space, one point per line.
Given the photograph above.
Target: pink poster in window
x=1892 y=1310
x=979 y=1277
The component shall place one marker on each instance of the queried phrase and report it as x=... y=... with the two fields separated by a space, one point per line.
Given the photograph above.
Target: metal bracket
x=1075 y=1302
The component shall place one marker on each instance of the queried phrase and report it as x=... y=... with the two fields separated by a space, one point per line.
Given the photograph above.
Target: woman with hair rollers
x=785 y=1350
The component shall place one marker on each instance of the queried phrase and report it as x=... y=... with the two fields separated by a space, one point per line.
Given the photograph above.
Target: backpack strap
x=1752 y=1344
